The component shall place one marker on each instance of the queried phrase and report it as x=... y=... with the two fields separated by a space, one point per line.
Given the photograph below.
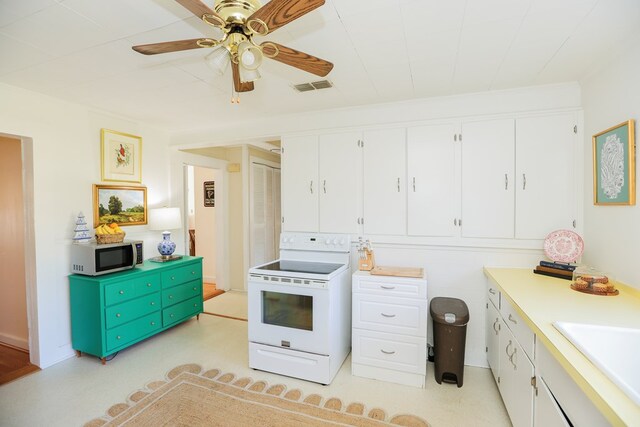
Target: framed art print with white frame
x=120 y=156
x=614 y=159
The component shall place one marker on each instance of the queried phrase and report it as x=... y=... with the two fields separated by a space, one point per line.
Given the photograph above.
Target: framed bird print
x=120 y=156
x=614 y=175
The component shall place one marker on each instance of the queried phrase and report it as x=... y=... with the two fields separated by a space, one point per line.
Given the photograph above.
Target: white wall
x=66 y=162
x=205 y=222
x=612 y=233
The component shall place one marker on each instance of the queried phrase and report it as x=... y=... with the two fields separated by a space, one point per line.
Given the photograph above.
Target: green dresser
x=114 y=311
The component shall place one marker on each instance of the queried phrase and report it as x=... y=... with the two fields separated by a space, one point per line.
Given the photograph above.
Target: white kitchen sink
x=613 y=350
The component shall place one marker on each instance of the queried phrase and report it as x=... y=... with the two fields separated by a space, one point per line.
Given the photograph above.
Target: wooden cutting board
x=397 y=271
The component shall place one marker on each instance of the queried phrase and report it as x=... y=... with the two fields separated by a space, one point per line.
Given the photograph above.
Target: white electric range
x=300 y=307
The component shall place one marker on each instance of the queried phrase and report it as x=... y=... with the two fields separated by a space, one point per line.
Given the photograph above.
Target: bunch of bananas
x=112 y=228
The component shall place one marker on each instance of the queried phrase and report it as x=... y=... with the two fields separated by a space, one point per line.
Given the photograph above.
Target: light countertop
x=542 y=300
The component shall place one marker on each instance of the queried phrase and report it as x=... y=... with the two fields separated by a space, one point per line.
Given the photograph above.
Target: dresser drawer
x=520 y=330
x=133 y=331
x=394 y=286
x=395 y=315
x=182 y=310
x=127 y=311
x=180 y=293
x=115 y=293
x=181 y=275
x=390 y=351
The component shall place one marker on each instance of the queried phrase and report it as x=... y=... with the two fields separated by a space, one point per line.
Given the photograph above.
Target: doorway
x=15 y=357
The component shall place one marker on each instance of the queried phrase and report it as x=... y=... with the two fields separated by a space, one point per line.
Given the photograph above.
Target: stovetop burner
x=301 y=267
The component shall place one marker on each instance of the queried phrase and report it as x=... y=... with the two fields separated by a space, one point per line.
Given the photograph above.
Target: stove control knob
x=335 y=241
x=341 y=242
x=327 y=242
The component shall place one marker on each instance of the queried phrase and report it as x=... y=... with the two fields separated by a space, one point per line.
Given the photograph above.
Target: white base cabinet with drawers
x=389 y=337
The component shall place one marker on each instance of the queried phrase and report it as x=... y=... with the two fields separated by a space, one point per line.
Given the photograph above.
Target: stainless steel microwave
x=92 y=259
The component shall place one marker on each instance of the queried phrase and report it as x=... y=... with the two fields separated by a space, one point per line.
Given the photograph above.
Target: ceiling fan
x=240 y=21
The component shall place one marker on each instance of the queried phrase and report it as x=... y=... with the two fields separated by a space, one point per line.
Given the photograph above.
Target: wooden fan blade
x=166 y=47
x=198 y=8
x=240 y=86
x=277 y=13
x=297 y=59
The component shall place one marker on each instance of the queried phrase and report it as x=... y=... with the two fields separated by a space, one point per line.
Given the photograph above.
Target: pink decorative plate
x=563 y=246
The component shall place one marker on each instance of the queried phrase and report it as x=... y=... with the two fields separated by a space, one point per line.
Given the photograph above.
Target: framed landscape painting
x=119 y=204
x=120 y=156
x=614 y=158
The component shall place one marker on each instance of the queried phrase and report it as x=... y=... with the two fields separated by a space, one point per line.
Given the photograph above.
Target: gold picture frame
x=614 y=165
x=120 y=156
x=124 y=205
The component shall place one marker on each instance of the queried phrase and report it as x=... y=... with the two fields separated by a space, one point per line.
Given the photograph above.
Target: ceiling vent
x=320 y=84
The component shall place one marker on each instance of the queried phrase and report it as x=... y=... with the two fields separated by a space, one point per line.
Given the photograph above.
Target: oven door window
x=288 y=310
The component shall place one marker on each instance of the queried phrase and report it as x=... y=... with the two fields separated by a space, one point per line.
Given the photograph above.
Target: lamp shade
x=165 y=219
x=248 y=75
x=219 y=59
x=250 y=56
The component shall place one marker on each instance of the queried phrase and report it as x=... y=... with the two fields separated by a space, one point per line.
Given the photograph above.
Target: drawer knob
x=117 y=314
x=153 y=303
x=173 y=278
x=387 y=287
x=387 y=315
x=153 y=323
x=118 y=337
x=170 y=296
x=193 y=272
x=387 y=352
x=195 y=305
x=121 y=292
x=195 y=289
x=171 y=315
x=148 y=285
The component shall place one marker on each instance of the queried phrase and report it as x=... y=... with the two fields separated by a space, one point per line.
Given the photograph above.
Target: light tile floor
x=79 y=389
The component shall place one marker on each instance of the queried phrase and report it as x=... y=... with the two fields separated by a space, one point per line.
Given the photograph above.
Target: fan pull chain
x=234 y=99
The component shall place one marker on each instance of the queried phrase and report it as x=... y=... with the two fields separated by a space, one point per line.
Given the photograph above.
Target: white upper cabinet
x=385 y=188
x=488 y=149
x=300 y=183
x=340 y=182
x=432 y=180
x=545 y=193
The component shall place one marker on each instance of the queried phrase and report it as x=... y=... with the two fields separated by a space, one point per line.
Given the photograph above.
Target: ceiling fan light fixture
x=249 y=56
x=219 y=59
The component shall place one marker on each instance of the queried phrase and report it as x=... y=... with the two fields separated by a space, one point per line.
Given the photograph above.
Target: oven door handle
x=387 y=315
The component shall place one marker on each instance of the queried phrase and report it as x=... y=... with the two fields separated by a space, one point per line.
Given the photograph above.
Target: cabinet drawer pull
x=121 y=292
x=171 y=315
x=170 y=296
x=492 y=291
x=195 y=305
x=195 y=288
x=153 y=323
x=193 y=272
x=507 y=349
x=387 y=352
x=148 y=285
x=387 y=287
x=118 y=337
x=398 y=185
x=388 y=315
x=311 y=187
x=506 y=182
x=414 y=184
x=324 y=186
x=117 y=314
x=524 y=181
x=153 y=303
x=512 y=319
x=173 y=278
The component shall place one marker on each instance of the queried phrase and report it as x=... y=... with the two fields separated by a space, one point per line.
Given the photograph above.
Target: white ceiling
x=383 y=50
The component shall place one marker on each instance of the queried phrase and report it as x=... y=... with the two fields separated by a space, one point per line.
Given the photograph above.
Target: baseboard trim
x=15 y=342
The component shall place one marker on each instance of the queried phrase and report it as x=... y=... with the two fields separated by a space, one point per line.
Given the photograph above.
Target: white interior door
x=545 y=176
x=488 y=150
x=385 y=188
x=431 y=178
x=300 y=184
x=264 y=213
x=340 y=182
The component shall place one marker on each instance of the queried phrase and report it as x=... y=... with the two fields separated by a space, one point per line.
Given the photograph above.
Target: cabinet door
x=516 y=371
x=545 y=175
x=385 y=189
x=431 y=174
x=547 y=411
x=493 y=339
x=488 y=179
x=340 y=183
x=300 y=184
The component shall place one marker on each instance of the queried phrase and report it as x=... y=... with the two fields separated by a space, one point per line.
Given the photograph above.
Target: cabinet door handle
x=507 y=349
x=387 y=287
x=311 y=187
x=506 y=182
x=496 y=330
x=492 y=291
x=387 y=352
x=398 y=184
x=515 y=367
x=388 y=315
x=414 y=184
x=512 y=319
x=524 y=181
x=324 y=186
x=455 y=221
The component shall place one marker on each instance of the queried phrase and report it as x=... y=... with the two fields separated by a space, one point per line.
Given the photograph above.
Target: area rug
x=190 y=397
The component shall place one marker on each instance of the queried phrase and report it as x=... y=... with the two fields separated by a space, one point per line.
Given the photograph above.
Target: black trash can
x=450 y=317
